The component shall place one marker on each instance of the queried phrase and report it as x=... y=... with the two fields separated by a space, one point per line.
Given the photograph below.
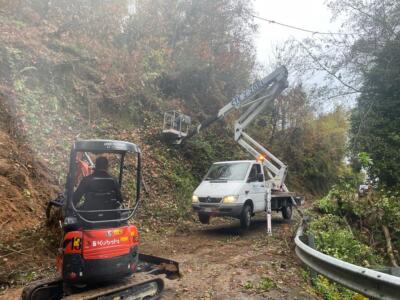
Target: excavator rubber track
x=147 y=283
x=137 y=287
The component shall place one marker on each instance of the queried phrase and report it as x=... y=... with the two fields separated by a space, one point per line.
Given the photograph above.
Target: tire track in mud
x=221 y=261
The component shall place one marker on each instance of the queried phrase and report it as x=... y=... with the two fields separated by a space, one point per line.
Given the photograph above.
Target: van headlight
x=195 y=199
x=229 y=199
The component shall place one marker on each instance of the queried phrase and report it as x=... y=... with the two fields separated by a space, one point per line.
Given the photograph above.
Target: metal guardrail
x=373 y=284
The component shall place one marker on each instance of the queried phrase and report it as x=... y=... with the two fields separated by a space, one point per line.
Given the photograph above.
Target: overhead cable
x=299 y=28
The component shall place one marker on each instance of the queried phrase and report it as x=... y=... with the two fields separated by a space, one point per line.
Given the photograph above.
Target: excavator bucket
x=176 y=125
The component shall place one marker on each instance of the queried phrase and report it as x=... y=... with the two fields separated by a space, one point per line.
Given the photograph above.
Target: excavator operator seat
x=176 y=125
x=102 y=195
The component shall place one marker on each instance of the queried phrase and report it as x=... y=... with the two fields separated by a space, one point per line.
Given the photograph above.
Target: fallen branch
x=348 y=225
x=13 y=251
x=389 y=247
x=146 y=189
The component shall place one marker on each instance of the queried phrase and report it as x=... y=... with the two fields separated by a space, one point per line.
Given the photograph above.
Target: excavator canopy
x=109 y=146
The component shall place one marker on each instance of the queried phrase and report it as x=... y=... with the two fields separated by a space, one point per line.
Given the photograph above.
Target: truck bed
x=280 y=194
x=280 y=199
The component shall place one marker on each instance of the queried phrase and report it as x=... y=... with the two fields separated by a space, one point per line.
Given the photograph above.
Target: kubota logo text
x=102 y=243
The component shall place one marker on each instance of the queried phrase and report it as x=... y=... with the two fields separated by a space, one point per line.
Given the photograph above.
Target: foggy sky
x=308 y=14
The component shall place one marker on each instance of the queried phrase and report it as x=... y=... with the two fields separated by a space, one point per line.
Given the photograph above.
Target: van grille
x=210 y=199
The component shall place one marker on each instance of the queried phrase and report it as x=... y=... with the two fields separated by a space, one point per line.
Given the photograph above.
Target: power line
x=299 y=28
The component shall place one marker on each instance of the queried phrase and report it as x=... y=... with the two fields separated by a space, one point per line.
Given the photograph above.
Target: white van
x=237 y=189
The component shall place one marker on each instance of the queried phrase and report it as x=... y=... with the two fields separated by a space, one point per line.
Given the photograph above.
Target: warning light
x=135 y=235
x=260 y=157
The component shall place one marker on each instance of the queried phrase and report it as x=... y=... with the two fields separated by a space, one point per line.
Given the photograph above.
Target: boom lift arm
x=256 y=97
x=275 y=83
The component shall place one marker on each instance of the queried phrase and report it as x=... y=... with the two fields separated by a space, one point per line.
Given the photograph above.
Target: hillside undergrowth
x=357 y=229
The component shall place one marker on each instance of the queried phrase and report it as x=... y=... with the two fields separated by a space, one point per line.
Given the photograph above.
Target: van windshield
x=228 y=171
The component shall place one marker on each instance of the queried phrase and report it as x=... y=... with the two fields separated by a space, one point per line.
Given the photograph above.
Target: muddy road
x=221 y=261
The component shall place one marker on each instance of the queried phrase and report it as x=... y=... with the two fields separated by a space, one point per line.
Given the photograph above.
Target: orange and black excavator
x=99 y=255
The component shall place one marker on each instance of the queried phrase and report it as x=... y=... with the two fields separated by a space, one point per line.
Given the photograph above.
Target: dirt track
x=220 y=261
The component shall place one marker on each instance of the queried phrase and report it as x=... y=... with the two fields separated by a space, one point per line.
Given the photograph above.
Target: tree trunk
x=275 y=121
x=389 y=247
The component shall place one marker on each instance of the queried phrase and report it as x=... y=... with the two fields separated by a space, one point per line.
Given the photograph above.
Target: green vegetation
x=263 y=285
x=362 y=217
x=360 y=228
x=333 y=237
x=333 y=291
x=352 y=228
x=379 y=102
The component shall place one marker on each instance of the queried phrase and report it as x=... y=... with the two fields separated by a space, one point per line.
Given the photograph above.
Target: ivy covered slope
x=70 y=70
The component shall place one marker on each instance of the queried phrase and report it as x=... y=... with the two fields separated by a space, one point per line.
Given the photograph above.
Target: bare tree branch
x=327 y=70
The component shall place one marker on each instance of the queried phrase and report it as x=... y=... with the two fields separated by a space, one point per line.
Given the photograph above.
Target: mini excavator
x=99 y=255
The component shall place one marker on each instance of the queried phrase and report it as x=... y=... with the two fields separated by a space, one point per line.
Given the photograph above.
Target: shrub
x=333 y=291
x=332 y=237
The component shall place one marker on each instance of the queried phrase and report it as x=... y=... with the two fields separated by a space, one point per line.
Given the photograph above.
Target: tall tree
x=376 y=118
x=205 y=47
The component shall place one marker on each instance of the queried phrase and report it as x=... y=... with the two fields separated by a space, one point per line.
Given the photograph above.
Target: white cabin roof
x=235 y=161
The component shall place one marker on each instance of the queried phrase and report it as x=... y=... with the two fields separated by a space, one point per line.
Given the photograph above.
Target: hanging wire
x=299 y=28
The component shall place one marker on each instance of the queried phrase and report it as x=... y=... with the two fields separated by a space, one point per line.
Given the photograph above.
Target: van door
x=256 y=187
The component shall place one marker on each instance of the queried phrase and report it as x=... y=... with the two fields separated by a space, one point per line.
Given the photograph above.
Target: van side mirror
x=260 y=177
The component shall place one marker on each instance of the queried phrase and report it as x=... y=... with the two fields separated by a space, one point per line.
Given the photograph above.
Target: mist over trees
x=92 y=63
x=135 y=59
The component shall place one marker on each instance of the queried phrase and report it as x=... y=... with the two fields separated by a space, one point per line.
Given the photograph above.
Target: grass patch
x=332 y=291
x=264 y=285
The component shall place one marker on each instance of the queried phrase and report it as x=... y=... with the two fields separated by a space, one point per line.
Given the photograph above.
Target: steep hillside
x=60 y=92
x=26 y=184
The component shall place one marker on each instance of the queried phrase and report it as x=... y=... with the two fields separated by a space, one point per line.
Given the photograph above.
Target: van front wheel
x=287 y=212
x=245 y=217
x=204 y=219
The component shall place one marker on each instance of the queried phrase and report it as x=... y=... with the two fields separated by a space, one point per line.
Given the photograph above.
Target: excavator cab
x=99 y=207
x=99 y=247
x=176 y=125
